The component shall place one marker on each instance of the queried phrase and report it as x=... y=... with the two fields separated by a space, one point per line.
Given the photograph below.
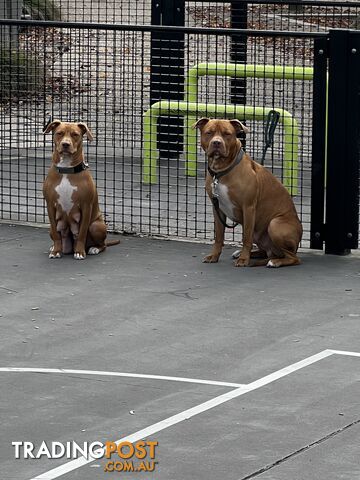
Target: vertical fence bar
x=342 y=182
x=238 y=53
x=352 y=140
x=319 y=141
x=167 y=71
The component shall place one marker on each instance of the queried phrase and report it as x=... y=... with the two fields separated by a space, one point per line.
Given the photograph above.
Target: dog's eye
x=74 y=134
x=59 y=134
x=209 y=133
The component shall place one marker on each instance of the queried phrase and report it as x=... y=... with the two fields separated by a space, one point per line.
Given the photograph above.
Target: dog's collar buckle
x=69 y=170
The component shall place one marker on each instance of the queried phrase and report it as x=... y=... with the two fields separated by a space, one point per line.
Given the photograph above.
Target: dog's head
x=68 y=137
x=219 y=138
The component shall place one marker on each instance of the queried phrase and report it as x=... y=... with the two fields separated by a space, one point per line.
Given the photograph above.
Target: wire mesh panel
x=97 y=76
x=103 y=77
x=290 y=15
x=278 y=76
x=300 y=16
x=99 y=11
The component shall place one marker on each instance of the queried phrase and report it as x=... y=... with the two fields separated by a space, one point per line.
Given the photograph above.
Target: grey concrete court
x=152 y=307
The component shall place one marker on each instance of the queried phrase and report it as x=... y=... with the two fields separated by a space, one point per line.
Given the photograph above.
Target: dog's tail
x=110 y=243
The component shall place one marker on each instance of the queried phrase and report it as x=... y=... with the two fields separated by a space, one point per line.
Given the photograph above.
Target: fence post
x=342 y=184
x=238 y=54
x=167 y=71
x=319 y=149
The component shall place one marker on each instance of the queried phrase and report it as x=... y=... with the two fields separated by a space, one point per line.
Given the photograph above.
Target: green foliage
x=42 y=9
x=21 y=75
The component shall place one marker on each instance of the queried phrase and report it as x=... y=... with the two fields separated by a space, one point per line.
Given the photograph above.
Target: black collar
x=237 y=160
x=78 y=168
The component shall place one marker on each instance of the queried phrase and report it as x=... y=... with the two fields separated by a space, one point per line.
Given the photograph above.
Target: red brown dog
x=245 y=192
x=76 y=223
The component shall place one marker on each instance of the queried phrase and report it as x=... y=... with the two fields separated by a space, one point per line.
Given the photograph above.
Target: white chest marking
x=65 y=191
x=221 y=191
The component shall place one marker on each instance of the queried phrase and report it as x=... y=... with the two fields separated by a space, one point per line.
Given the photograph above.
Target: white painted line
x=343 y=352
x=187 y=414
x=118 y=374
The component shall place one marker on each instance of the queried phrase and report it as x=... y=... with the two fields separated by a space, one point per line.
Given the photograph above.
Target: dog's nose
x=216 y=143
x=65 y=144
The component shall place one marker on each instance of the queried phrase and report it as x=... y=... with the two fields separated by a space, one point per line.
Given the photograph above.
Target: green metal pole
x=238 y=70
x=243 y=112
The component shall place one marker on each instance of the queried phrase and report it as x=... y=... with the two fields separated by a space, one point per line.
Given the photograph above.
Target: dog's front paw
x=212 y=258
x=54 y=253
x=79 y=255
x=242 y=262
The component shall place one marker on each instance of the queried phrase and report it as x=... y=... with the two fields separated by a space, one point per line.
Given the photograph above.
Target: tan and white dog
x=76 y=223
x=247 y=193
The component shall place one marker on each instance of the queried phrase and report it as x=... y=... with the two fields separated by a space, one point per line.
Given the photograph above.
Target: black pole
x=318 y=161
x=167 y=71
x=239 y=18
x=342 y=185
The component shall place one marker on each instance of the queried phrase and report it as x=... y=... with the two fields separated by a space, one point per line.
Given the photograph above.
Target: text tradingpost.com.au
x=129 y=457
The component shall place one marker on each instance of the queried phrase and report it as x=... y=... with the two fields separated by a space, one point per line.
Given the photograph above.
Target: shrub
x=21 y=75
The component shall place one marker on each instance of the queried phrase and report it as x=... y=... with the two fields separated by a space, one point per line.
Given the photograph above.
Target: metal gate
x=112 y=76
x=335 y=153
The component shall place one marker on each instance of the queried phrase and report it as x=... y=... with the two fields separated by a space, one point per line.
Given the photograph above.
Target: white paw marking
x=54 y=255
x=271 y=264
x=78 y=256
x=93 y=251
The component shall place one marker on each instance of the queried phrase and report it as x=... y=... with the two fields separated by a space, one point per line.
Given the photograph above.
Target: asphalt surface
x=152 y=307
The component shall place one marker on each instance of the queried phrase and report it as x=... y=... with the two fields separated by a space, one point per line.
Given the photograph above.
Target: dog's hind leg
x=96 y=237
x=285 y=237
x=260 y=263
x=289 y=259
x=256 y=253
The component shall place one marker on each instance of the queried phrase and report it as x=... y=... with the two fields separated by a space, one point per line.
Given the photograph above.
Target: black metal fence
x=294 y=15
x=150 y=171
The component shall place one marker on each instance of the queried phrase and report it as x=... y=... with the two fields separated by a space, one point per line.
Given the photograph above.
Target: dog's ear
x=85 y=129
x=51 y=126
x=201 y=123
x=239 y=127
